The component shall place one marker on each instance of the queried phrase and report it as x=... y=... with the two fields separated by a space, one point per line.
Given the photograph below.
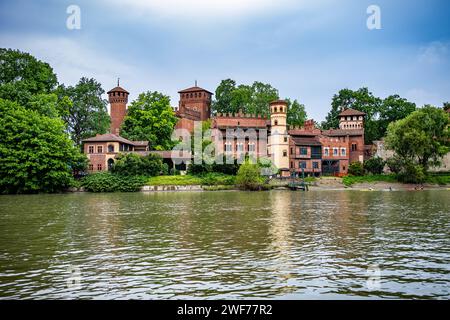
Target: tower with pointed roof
x=118 y=99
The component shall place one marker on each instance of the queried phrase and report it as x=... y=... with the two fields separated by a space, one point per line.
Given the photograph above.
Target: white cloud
x=210 y=9
x=434 y=53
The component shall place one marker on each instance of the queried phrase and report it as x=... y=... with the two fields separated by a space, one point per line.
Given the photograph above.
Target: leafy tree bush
x=356 y=169
x=249 y=177
x=374 y=165
x=419 y=140
x=107 y=182
x=150 y=118
x=36 y=155
x=131 y=164
x=83 y=109
x=22 y=76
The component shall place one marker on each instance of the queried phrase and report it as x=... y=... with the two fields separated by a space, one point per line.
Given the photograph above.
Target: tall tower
x=350 y=119
x=195 y=103
x=118 y=99
x=279 y=138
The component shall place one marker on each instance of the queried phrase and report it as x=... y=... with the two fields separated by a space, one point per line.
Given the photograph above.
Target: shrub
x=131 y=164
x=395 y=164
x=212 y=179
x=374 y=165
x=249 y=177
x=356 y=169
x=107 y=182
x=412 y=173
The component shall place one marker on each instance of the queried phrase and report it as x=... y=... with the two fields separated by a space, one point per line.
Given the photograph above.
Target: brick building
x=293 y=150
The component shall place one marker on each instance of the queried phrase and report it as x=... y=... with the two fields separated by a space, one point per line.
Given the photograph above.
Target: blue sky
x=306 y=49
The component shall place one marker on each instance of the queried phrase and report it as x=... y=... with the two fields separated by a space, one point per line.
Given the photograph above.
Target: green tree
x=362 y=100
x=22 y=76
x=374 y=165
x=296 y=115
x=393 y=108
x=446 y=106
x=132 y=164
x=422 y=138
x=36 y=155
x=150 y=118
x=83 y=109
x=253 y=99
x=249 y=176
x=356 y=169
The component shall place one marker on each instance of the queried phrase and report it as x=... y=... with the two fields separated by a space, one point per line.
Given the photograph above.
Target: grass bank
x=210 y=179
x=436 y=179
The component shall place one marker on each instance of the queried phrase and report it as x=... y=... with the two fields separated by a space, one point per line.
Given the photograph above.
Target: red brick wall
x=96 y=158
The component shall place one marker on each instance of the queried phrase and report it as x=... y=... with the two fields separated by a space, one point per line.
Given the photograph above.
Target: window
x=285 y=139
x=303 y=151
x=276 y=122
x=302 y=164
x=343 y=152
x=91 y=167
x=111 y=148
x=251 y=147
x=99 y=167
x=228 y=147
x=276 y=109
x=284 y=153
x=91 y=149
x=292 y=150
x=292 y=164
x=239 y=147
x=315 y=165
x=326 y=152
x=335 y=151
x=99 y=149
x=353 y=146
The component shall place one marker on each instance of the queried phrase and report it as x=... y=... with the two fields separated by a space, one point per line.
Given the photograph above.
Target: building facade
x=293 y=150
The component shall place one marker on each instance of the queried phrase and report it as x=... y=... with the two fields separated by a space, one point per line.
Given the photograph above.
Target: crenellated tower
x=118 y=99
x=279 y=137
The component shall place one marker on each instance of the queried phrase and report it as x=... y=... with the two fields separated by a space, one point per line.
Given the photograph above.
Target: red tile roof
x=193 y=89
x=340 y=132
x=278 y=102
x=306 y=141
x=109 y=137
x=118 y=89
x=351 y=112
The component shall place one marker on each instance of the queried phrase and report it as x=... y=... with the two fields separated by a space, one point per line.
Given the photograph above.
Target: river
x=225 y=245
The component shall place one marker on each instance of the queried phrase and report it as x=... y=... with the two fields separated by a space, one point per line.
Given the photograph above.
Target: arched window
x=276 y=109
x=110 y=163
x=276 y=122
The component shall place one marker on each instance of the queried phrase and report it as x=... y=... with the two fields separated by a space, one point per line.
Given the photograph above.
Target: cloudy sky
x=306 y=49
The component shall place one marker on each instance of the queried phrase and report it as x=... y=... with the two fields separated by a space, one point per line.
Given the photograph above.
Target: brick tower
x=195 y=103
x=118 y=99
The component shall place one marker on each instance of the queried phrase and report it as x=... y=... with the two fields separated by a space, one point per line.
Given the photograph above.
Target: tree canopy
x=150 y=117
x=22 y=76
x=379 y=112
x=36 y=155
x=83 y=109
x=422 y=138
x=296 y=115
x=254 y=99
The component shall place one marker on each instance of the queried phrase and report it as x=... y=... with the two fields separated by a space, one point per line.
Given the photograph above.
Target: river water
x=218 y=245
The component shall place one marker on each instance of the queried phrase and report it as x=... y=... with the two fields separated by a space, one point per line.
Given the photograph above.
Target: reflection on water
x=277 y=244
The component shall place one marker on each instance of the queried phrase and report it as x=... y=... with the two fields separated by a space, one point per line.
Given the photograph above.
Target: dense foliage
x=419 y=141
x=108 y=182
x=249 y=177
x=379 y=113
x=22 y=76
x=134 y=165
x=150 y=118
x=36 y=155
x=356 y=169
x=374 y=165
x=296 y=115
x=83 y=109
